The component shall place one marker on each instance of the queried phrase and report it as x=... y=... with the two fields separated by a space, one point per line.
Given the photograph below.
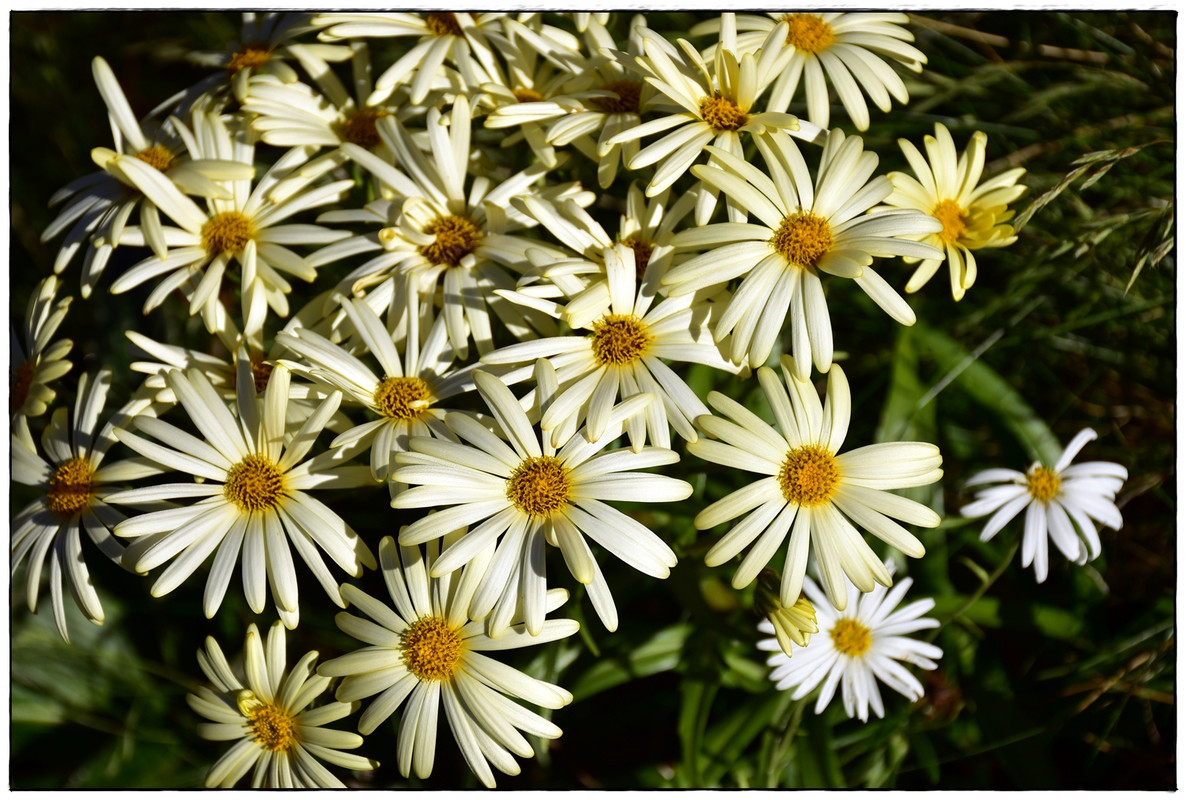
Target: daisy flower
x=246 y=228
x=973 y=216
x=461 y=39
x=441 y=232
x=264 y=709
x=253 y=495
x=623 y=354
x=847 y=50
x=1062 y=503
x=811 y=492
x=404 y=395
x=427 y=652
x=75 y=485
x=711 y=106
x=857 y=650
x=522 y=492
x=804 y=228
x=98 y=206
x=42 y=359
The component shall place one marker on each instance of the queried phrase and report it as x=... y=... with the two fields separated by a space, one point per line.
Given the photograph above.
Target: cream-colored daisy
x=254 y=496
x=858 y=649
x=791 y=624
x=522 y=492
x=98 y=206
x=459 y=39
x=405 y=395
x=711 y=105
x=75 y=484
x=622 y=351
x=973 y=216
x=849 y=51
x=426 y=652
x=264 y=709
x=811 y=495
x=248 y=228
x=803 y=228
x=442 y=233
x=42 y=359
x=1062 y=504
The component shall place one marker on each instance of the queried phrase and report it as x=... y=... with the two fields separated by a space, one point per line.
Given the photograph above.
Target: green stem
x=793 y=716
x=985 y=585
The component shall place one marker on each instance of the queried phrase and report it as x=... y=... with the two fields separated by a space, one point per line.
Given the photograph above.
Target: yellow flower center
x=252 y=55
x=528 y=96
x=261 y=372
x=803 y=238
x=626 y=102
x=456 y=237
x=444 y=24
x=809 y=476
x=539 y=486
x=228 y=232
x=402 y=398
x=157 y=156
x=359 y=127
x=722 y=114
x=71 y=488
x=851 y=637
x=619 y=339
x=809 y=32
x=22 y=381
x=952 y=216
x=254 y=484
x=642 y=255
x=1043 y=483
x=431 y=649
x=274 y=728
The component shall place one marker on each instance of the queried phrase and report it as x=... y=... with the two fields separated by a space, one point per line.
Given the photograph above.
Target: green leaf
x=658 y=654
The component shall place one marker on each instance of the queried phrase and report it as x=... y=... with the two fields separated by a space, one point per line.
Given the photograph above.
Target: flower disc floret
x=619 y=339
x=642 y=255
x=254 y=484
x=157 y=156
x=252 y=55
x=71 y=488
x=228 y=232
x=952 y=216
x=803 y=238
x=851 y=637
x=402 y=398
x=22 y=381
x=527 y=95
x=628 y=94
x=539 y=486
x=809 y=476
x=360 y=129
x=1043 y=483
x=456 y=238
x=273 y=727
x=431 y=648
x=722 y=114
x=444 y=24
x=809 y=32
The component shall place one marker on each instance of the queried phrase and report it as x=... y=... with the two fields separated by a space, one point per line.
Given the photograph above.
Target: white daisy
x=441 y=232
x=426 y=652
x=75 y=486
x=406 y=394
x=522 y=492
x=1063 y=502
x=973 y=216
x=246 y=228
x=711 y=105
x=621 y=350
x=858 y=649
x=804 y=227
x=253 y=494
x=460 y=39
x=847 y=50
x=812 y=487
x=42 y=359
x=264 y=708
